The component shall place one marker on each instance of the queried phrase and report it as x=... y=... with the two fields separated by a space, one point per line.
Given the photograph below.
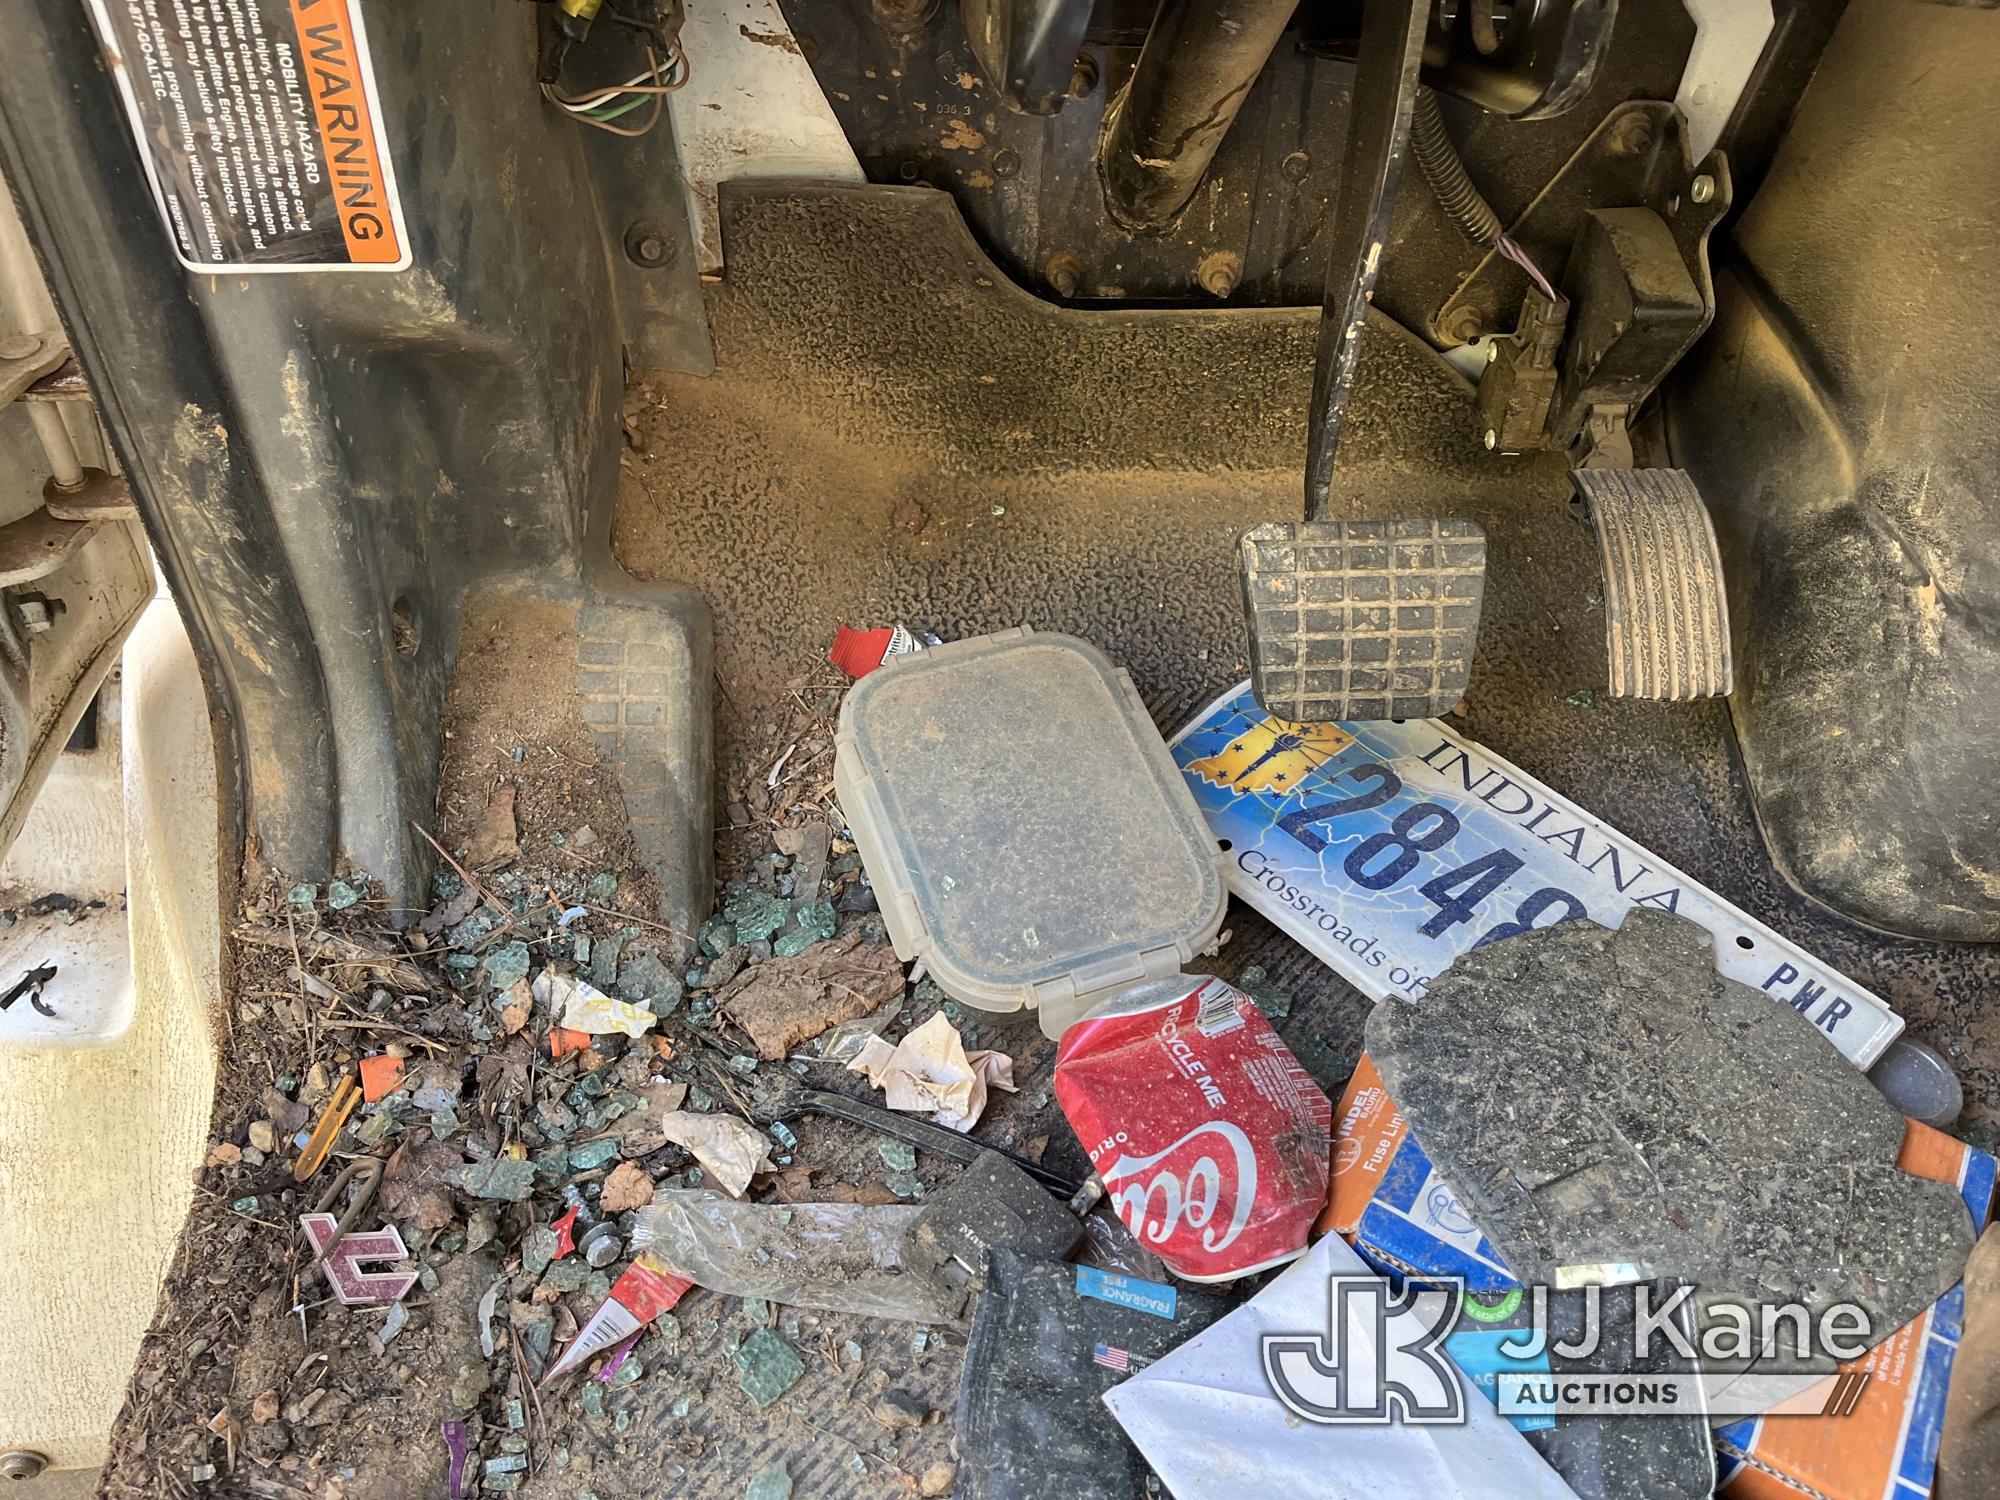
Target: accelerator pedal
x=1666 y=619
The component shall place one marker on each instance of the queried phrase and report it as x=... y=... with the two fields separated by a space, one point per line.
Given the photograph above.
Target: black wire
x=1444 y=170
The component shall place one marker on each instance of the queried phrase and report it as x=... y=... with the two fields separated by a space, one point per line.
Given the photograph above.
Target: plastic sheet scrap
x=731 y=1151
x=929 y=1072
x=838 y=1257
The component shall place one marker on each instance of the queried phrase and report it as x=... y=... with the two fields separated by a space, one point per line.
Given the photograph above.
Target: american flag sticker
x=1124 y=1361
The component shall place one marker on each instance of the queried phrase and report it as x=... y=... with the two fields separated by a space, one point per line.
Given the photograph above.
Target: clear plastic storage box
x=1027 y=832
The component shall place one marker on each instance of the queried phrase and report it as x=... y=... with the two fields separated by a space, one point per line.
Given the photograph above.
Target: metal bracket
x=101 y=497
x=1637 y=156
x=65 y=383
x=1539 y=64
x=24 y=359
x=1028 y=48
x=38 y=544
x=1378 y=137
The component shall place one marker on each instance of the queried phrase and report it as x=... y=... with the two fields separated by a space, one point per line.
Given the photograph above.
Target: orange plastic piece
x=381 y=1075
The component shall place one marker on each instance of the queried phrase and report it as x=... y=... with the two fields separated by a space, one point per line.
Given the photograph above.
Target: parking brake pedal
x=1353 y=620
x=1666 y=619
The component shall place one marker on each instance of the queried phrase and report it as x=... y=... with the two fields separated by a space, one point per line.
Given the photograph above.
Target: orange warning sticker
x=261 y=132
x=347 y=130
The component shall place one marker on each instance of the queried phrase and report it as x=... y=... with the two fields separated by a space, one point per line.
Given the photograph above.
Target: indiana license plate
x=1389 y=848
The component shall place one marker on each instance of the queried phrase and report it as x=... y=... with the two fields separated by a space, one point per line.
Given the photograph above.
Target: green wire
x=623 y=109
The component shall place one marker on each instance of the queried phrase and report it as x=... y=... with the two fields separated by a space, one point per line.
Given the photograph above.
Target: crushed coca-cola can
x=1211 y=1140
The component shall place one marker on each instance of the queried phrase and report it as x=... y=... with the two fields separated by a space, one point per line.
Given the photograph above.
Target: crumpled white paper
x=581 y=1006
x=929 y=1072
x=729 y=1150
x=1206 y=1419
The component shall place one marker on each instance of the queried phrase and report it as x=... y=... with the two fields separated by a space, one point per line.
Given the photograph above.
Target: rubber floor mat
x=895 y=432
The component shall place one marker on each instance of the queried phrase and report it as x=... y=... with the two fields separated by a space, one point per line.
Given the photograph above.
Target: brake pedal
x=1355 y=620
x=1666 y=618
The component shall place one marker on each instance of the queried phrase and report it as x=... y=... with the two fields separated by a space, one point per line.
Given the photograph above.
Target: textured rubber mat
x=646 y=691
x=894 y=432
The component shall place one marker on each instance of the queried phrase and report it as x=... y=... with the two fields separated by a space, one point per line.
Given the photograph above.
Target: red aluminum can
x=1211 y=1140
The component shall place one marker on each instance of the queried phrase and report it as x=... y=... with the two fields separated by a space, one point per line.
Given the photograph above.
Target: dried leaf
x=449 y=912
x=627 y=1187
x=789 y=1000
x=520 y=1004
x=497 y=839
x=415 y=1192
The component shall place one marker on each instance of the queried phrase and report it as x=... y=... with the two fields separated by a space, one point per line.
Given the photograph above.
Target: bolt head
x=1702 y=189
x=1492 y=439
x=1632 y=134
x=1465 y=325
x=647 y=245
x=22 y=1463
x=18 y=346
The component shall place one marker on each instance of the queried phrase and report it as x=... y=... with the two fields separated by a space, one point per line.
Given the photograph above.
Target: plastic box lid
x=1027 y=832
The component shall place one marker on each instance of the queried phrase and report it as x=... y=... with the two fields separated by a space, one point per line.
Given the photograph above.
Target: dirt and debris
x=535 y=1066
x=516 y=1151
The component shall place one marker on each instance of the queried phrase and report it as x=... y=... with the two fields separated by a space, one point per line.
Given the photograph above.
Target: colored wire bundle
x=1506 y=246
x=601 y=107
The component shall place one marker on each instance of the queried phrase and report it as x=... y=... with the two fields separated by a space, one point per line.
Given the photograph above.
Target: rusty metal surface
x=26 y=358
x=65 y=383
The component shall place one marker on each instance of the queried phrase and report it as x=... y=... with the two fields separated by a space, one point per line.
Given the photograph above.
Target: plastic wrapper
x=839 y=1257
x=1109 y=1245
